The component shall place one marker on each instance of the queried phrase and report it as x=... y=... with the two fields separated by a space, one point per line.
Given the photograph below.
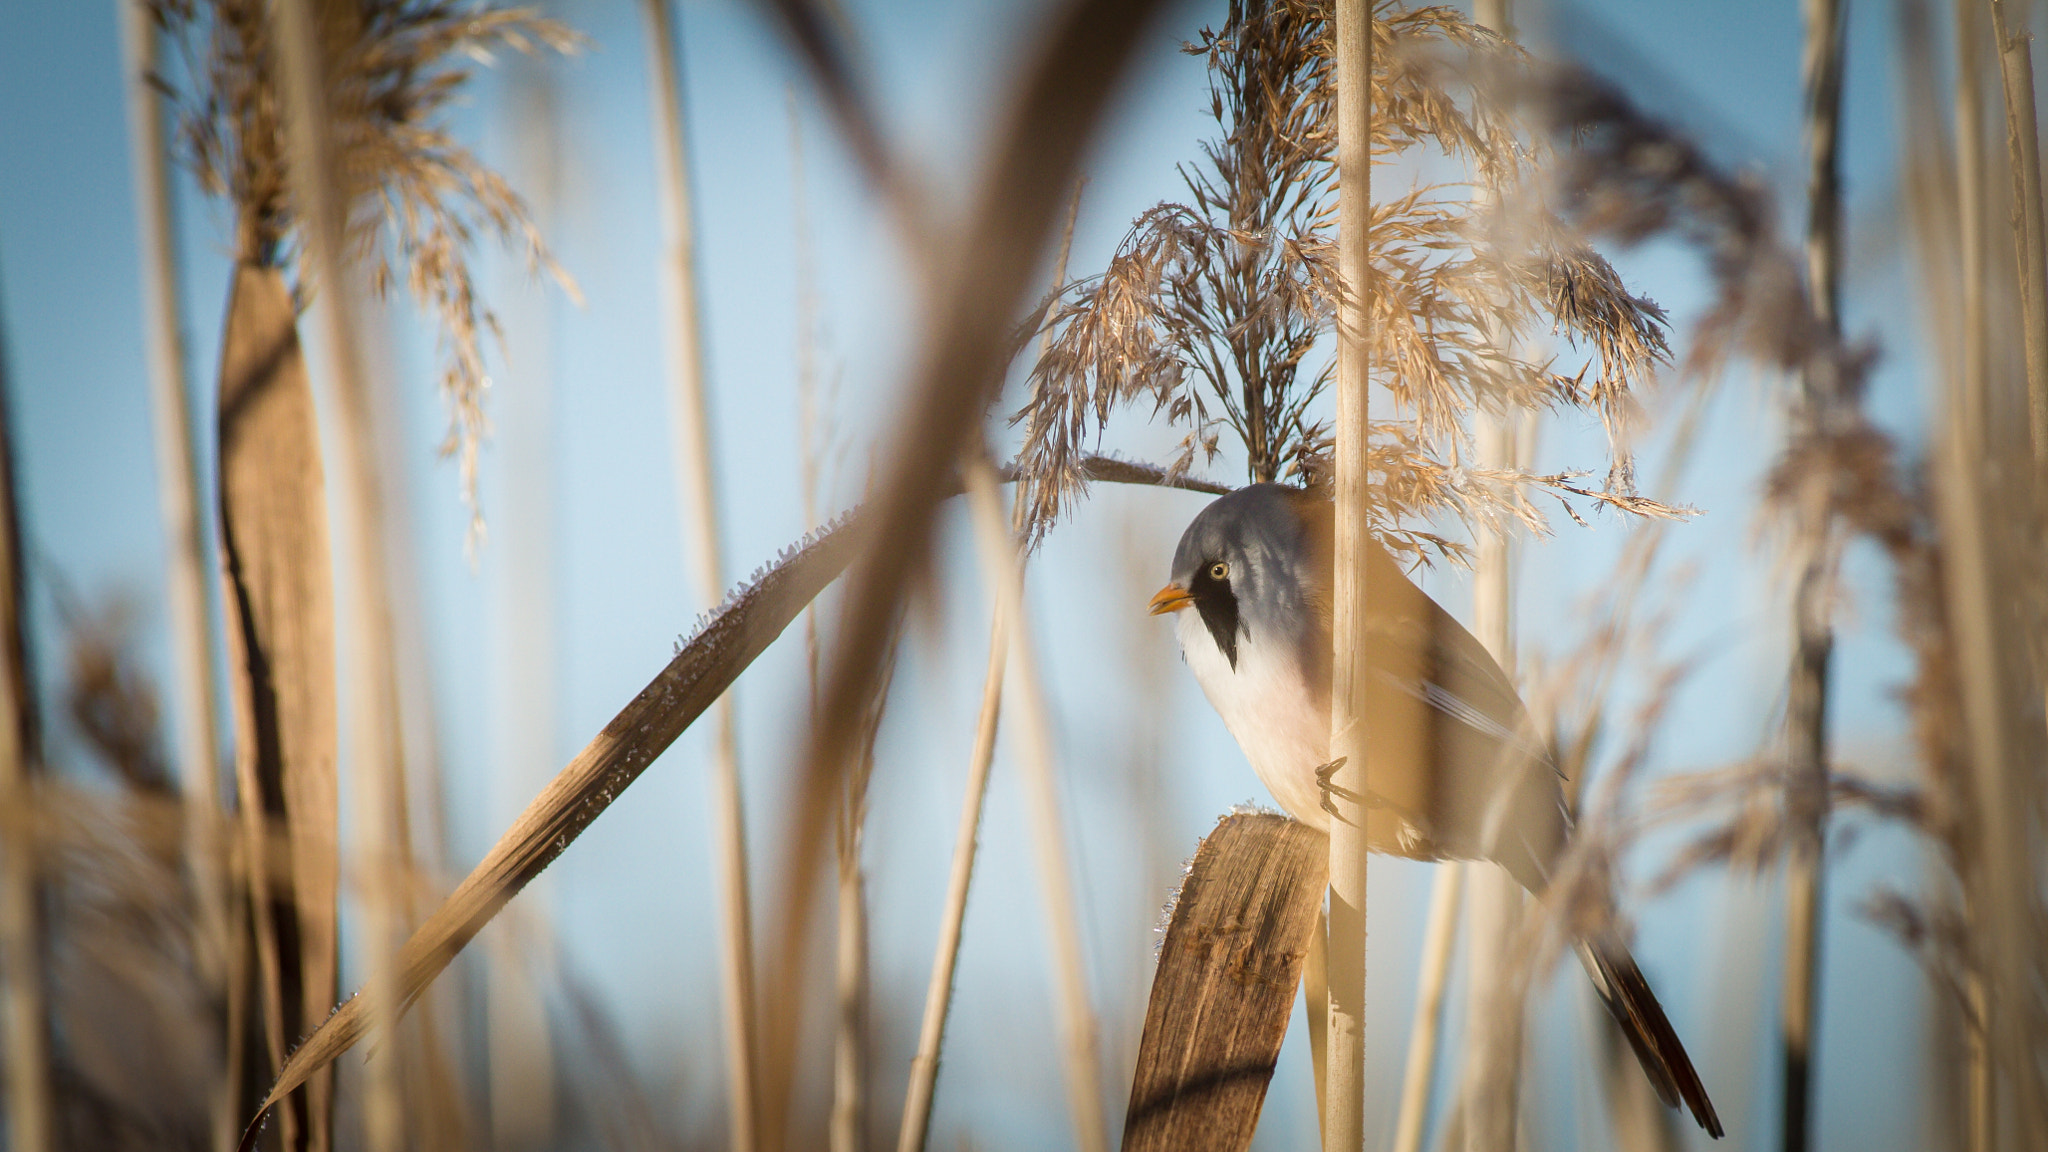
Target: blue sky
x=582 y=589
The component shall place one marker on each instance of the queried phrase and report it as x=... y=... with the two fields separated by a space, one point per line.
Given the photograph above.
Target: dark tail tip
x=1657 y=1046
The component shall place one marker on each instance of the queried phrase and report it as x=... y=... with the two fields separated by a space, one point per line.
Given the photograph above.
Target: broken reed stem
x=691 y=424
x=373 y=743
x=193 y=675
x=1344 y=1096
x=25 y=1045
x=938 y=996
x=1002 y=561
x=2023 y=143
x=1806 y=706
x=1437 y=937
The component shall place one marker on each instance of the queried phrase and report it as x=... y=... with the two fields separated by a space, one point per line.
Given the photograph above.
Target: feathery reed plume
x=696 y=474
x=1344 y=1041
x=393 y=68
x=1211 y=309
x=25 y=1046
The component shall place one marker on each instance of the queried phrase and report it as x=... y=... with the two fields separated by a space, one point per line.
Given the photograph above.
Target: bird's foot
x=1329 y=788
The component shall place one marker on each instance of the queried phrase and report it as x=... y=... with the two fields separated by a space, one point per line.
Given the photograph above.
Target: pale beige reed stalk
x=696 y=475
x=1344 y=1095
x=1493 y=1033
x=1002 y=561
x=371 y=721
x=1957 y=497
x=194 y=677
x=1439 y=934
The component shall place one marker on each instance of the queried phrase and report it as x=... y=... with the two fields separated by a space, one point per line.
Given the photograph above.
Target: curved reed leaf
x=703 y=668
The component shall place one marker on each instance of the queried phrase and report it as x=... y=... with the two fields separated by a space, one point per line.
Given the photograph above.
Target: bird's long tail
x=1628 y=996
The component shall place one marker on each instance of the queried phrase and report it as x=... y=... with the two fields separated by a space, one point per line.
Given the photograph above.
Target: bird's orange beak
x=1171 y=598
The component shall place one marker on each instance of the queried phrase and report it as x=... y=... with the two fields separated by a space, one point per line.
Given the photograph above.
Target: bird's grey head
x=1244 y=565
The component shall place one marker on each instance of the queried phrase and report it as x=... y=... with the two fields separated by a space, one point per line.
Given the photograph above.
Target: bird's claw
x=1323 y=782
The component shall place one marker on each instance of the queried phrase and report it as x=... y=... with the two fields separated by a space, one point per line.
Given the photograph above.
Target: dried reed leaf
x=722 y=647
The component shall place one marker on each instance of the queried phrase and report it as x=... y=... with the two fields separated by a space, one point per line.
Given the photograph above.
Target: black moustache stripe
x=1218 y=606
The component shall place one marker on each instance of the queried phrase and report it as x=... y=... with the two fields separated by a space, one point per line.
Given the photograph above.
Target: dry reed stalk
x=696 y=474
x=1492 y=1053
x=1955 y=485
x=527 y=1072
x=1489 y=1105
x=938 y=997
x=1344 y=1095
x=1989 y=556
x=1806 y=706
x=374 y=746
x=847 y=1128
x=1438 y=936
x=1973 y=620
x=25 y=1044
x=178 y=484
x=2030 y=234
x=1066 y=84
x=1002 y=562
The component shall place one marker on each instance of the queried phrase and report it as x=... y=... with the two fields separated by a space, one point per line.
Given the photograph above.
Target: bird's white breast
x=1266 y=702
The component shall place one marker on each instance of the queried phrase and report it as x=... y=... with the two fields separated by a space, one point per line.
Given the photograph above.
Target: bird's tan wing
x=1455 y=763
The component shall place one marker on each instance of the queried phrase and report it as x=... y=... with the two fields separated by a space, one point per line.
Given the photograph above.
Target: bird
x=1457 y=771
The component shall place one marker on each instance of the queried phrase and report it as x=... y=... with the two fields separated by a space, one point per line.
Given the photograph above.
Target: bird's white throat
x=1280 y=723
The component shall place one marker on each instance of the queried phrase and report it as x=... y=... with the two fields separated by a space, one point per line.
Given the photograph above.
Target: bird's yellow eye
x=1219 y=571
